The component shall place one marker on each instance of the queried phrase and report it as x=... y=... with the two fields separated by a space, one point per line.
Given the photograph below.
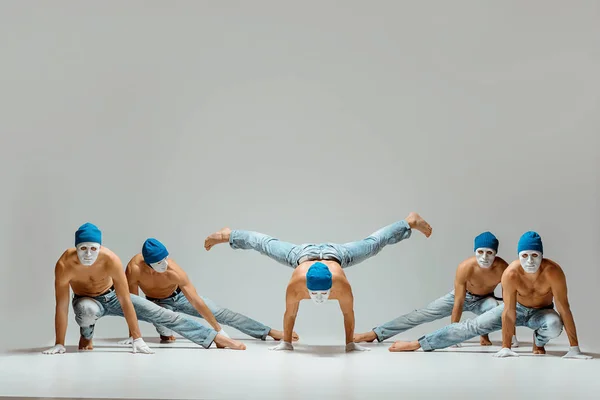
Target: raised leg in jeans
x=264 y=244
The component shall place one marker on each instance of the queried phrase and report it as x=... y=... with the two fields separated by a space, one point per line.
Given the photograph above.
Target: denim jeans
x=347 y=254
x=89 y=309
x=435 y=310
x=179 y=303
x=545 y=322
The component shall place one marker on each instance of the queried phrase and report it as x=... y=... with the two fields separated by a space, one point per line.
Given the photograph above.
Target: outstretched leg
x=437 y=309
x=250 y=240
x=356 y=252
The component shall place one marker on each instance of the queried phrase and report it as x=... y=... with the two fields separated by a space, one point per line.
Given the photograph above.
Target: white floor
x=185 y=371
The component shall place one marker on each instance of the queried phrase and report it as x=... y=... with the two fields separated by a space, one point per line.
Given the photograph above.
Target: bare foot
x=405 y=346
x=278 y=335
x=485 y=340
x=223 y=341
x=538 y=350
x=167 y=339
x=85 y=344
x=415 y=221
x=365 y=337
x=221 y=236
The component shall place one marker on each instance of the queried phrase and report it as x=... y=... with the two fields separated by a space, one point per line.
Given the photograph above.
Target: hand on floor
x=129 y=340
x=139 y=346
x=56 y=349
x=354 y=347
x=282 y=346
x=506 y=352
x=575 y=353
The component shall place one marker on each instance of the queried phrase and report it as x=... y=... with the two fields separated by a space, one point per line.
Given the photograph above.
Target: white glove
x=456 y=346
x=56 y=349
x=140 y=346
x=574 y=352
x=505 y=352
x=354 y=347
x=222 y=332
x=129 y=340
x=283 y=346
x=515 y=341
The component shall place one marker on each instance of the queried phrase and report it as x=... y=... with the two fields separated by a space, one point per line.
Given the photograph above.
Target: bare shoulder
x=175 y=271
x=63 y=266
x=512 y=272
x=552 y=269
x=133 y=266
x=501 y=262
x=112 y=261
x=465 y=268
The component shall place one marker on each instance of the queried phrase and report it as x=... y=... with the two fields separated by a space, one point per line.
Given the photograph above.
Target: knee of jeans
x=553 y=325
x=86 y=312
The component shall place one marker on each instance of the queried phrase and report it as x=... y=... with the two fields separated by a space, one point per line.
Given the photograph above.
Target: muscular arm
x=558 y=284
x=132 y=279
x=460 y=291
x=115 y=270
x=62 y=292
x=189 y=291
x=509 y=314
x=347 y=306
x=291 y=310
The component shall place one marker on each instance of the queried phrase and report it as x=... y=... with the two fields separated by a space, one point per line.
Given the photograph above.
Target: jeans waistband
x=548 y=307
x=175 y=293
x=110 y=289
x=485 y=295
x=309 y=257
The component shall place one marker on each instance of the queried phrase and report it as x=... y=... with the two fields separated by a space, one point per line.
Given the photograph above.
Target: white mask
x=530 y=260
x=319 y=296
x=88 y=252
x=485 y=257
x=160 y=266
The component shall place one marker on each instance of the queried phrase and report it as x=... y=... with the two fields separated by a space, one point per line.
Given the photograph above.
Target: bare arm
x=132 y=281
x=347 y=307
x=115 y=270
x=558 y=284
x=460 y=291
x=62 y=292
x=291 y=310
x=509 y=314
x=189 y=291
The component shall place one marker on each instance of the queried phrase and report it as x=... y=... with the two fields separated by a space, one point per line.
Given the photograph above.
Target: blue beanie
x=88 y=233
x=153 y=251
x=486 y=240
x=318 y=277
x=530 y=241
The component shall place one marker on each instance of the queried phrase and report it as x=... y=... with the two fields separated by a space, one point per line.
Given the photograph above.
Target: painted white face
x=485 y=257
x=319 y=296
x=160 y=266
x=530 y=260
x=88 y=252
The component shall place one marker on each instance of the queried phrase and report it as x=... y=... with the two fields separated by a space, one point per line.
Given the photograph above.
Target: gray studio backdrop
x=320 y=121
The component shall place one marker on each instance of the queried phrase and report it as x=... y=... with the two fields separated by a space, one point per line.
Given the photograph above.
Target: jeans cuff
x=425 y=344
x=265 y=334
x=209 y=339
x=379 y=334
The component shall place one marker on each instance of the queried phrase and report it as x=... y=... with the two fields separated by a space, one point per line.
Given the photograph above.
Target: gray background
x=320 y=121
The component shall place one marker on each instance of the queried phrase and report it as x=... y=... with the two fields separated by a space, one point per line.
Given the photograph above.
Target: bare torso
x=154 y=284
x=483 y=281
x=87 y=281
x=340 y=285
x=537 y=292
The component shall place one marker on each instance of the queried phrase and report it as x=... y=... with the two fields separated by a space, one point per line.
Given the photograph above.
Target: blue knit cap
x=530 y=241
x=88 y=233
x=318 y=277
x=153 y=251
x=486 y=240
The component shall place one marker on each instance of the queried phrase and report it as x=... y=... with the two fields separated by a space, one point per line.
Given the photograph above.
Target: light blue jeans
x=347 y=254
x=179 y=303
x=89 y=309
x=435 y=310
x=545 y=322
